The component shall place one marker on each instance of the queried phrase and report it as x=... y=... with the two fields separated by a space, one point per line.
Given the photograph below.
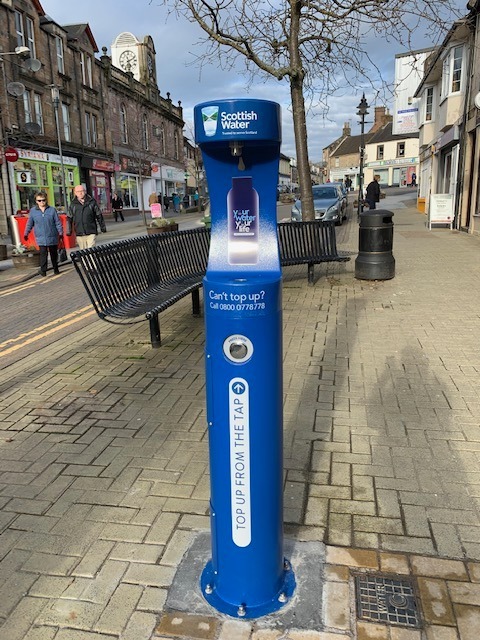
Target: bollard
x=247 y=576
x=375 y=260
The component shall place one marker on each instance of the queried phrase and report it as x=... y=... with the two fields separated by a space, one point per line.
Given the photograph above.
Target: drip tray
x=386 y=599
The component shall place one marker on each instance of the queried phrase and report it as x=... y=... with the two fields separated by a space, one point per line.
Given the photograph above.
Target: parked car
x=344 y=191
x=328 y=201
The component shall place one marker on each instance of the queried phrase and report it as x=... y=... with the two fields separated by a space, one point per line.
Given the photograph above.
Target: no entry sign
x=11 y=154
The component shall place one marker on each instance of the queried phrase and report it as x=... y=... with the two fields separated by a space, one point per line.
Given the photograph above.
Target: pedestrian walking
x=117 y=207
x=46 y=225
x=84 y=215
x=166 y=202
x=373 y=192
x=176 y=202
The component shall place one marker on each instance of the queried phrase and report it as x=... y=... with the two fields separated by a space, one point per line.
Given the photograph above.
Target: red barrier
x=21 y=220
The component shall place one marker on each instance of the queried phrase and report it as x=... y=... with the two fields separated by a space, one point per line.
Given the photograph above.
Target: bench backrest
x=116 y=271
x=313 y=240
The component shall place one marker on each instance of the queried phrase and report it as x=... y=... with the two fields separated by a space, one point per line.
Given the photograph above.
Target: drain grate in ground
x=386 y=599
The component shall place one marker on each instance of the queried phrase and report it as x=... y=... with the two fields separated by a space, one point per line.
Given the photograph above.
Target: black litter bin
x=375 y=260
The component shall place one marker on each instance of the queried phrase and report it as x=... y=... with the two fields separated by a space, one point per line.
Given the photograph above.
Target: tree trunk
x=297 y=76
x=301 y=146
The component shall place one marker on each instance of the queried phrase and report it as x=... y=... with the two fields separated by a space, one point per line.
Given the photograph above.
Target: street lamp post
x=56 y=103
x=362 y=112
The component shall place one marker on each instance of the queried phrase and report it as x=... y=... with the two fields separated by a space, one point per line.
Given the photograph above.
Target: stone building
x=68 y=117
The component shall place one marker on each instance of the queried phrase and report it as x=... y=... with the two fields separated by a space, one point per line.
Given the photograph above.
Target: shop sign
x=29 y=154
x=133 y=165
x=398 y=161
x=11 y=154
x=440 y=210
x=103 y=165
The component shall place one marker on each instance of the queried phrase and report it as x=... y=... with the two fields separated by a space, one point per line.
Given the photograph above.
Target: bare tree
x=319 y=46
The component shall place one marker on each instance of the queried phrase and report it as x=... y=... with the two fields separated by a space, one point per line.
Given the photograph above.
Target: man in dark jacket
x=84 y=214
x=373 y=192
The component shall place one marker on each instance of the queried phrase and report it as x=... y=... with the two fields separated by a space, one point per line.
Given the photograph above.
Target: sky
x=176 y=49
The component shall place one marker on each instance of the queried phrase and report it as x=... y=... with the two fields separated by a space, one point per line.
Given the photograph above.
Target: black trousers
x=116 y=213
x=44 y=251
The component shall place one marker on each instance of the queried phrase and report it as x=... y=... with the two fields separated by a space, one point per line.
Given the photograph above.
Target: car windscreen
x=325 y=192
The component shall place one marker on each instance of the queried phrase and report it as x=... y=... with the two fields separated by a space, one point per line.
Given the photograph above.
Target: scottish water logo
x=210 y=119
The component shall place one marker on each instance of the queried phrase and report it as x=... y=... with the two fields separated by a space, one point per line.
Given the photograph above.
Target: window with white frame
x=60 y=58
x=162 y=139
x=66 y=122
x=32 y=107
x=429 y=104
x=89 y=71
x=145 y=131
x=175 y=142
x=37 y=103
x=452 y=75
x=91 y=131
x=400 y=149
x=27 y=106
x=123 y=124
x=86 y=68
x=19 y=29
x=88 y=129
x=94 y=130
x=380 y=151
x=30 y=36
x=25 y=32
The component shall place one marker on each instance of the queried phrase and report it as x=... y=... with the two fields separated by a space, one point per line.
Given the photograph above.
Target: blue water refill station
x=247 y=575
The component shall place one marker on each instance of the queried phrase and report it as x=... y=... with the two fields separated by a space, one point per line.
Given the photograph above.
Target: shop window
x=66 y=122
x=380 y=151
x=35 y=175
x=400 y=149
x=123 y=124
x=60 y=58
x=127 y=187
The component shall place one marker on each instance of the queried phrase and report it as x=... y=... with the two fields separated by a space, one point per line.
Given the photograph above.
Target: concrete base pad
x=304 y=611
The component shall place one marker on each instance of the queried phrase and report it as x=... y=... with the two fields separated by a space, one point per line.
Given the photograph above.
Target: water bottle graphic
x=210 y=120
x=243 y=222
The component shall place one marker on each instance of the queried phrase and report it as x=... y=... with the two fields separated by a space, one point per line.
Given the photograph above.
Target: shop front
x=99 y=173
x=127 y=180
x=397 y=172
x=36 y=170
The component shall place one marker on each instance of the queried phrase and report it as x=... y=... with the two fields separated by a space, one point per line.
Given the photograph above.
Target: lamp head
x=23 y=52
x=362 y=107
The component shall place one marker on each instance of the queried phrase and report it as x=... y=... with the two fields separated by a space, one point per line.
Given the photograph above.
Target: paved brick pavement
x=104 y=457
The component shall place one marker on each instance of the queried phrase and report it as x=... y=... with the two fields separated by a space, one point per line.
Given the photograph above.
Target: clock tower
x=135 y=56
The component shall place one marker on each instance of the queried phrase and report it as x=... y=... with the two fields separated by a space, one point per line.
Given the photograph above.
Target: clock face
x=128 y=60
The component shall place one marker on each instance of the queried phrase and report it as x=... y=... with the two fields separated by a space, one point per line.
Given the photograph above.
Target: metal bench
x=145 y=275
x=308 y=243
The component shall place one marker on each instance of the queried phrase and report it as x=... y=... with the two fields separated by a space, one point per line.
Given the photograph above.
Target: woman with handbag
x=46 y=225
